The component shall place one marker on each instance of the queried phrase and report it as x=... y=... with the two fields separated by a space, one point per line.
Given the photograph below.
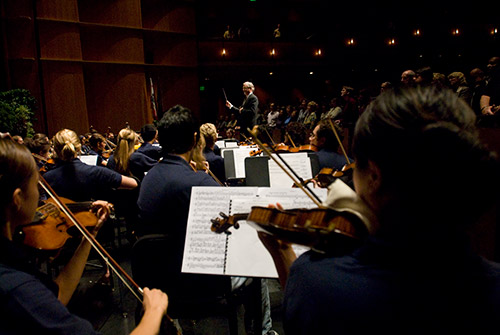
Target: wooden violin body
x=51 y=228
x=322 y=229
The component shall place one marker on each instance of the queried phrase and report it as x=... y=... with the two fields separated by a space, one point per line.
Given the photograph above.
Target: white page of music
x=204 y=250
x=239 y=159
x=299 y=162
x=246 y=255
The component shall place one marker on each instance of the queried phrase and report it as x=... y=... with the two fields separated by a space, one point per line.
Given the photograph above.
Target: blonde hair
x=460 y=76
x=125 y=147
x=66 y=144
x=209 y=133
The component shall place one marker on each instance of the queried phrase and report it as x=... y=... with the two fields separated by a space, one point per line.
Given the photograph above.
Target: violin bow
x=91 y=239
x=340 y=142
x=290 y=139
x=296 y=178
x=215 y=178
x=270 y=137
x=117 y=269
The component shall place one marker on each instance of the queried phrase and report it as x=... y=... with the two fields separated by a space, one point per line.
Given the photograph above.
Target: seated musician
x=40 y=146
x=324 y=139
x=149 y=135
x=128 y=161
x=31 y=303
x=215 y=161
x=165 y=195
x=417 y=273
x=75 y=180
x=97 y=144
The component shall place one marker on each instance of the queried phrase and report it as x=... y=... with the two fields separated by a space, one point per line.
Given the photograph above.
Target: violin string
x=88 y=237
x=299 y=180
x=340 y=142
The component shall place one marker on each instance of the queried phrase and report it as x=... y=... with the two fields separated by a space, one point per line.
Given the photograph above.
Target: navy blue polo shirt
x=78 y=181
x=28 y=301
x=331 y=159
x=153 y=151
x=165 y=195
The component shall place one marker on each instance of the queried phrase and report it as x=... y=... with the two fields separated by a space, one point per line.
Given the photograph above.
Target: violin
x=47 y=163
x=51 y=228
x=323 y=229
x=308 y=148
x=326 y=176
x=135 y=289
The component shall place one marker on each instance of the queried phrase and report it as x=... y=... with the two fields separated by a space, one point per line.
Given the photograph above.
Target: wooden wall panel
x=179 y=86
x=65 y=104
x=172 y=16
x=20 y=38
x=58 y=9
x=177 y=50
x=59 y=40
x=125 y=13
x=116 y=94
x=112 y=45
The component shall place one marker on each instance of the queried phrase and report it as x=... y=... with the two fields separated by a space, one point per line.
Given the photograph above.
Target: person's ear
x=17 y=199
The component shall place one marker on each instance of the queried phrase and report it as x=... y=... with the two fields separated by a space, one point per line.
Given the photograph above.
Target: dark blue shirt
x=139 y=164
x=165 y=195
x=381 y=289
x=28 y=301
x=331 y=159
x=78 y=181
x=216 y=164
x=153 y=151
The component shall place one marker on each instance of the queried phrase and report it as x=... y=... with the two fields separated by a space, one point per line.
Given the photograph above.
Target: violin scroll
x=222 y=224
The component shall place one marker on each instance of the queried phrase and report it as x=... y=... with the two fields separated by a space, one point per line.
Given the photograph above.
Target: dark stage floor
x=111 y=307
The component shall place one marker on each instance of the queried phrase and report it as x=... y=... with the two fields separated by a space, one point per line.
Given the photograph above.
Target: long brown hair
x=17 y=166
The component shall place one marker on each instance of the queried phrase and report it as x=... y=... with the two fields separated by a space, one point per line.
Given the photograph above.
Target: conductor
x=248 y=110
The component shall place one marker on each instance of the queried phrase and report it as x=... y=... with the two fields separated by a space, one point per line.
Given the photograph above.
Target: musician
x=324 y=139
x=149 y=135
x=165 y=195
x=417 y=273
x=126 y=160
x=97 y=144
x=40 y=145
x=30 y=302
x=248 y=109
x=215 y=161
x=75 y=180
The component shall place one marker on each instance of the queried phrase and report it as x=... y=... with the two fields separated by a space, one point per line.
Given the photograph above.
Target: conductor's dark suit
x=248 y=114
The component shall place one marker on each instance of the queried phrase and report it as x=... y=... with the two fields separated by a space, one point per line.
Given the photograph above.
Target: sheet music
x=299 y=162
x=89 y=159
x=220 y=144
x=239 y=154
x=246 y=255
x=204 y=250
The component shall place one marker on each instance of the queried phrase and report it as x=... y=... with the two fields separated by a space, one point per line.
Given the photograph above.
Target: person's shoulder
x=11 y=278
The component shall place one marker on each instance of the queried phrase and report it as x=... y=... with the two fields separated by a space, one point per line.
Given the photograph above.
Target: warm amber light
x=392 y=41
x=456 y=32
x=350 y=41
x=318 y=52
x=223 y=52
x=494 y=31
x=416 y=32
x=273 y=52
